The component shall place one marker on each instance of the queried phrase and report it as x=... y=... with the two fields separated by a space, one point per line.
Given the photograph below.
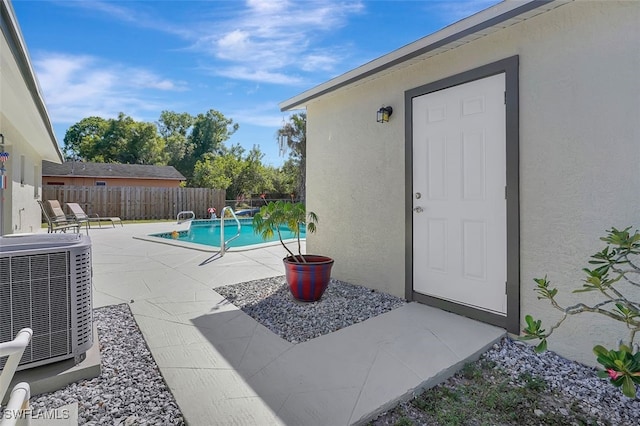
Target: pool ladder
x=223 y=243
x=183 y=213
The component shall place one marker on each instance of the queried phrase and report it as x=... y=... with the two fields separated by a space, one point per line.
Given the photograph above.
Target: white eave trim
x=490 y=20
x=11 y=29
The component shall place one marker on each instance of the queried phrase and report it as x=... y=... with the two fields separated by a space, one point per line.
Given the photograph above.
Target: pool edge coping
x=210 y=249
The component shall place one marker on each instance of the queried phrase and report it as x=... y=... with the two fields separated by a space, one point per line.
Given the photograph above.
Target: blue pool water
x=207 y=232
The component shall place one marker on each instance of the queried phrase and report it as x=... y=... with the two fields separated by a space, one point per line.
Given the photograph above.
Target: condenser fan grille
x=48 y=291
x=38 y=298
x=83 y=306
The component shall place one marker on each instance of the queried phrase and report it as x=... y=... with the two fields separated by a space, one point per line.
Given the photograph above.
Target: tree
x=253 y=178
x=292 y=136
x=232 y=171
x=284 y=180
x=215 y=171
x=145 y=145
x=80 y=139
x=208 y=134
x=122 y=140
x=178 y=139
x=174 y=128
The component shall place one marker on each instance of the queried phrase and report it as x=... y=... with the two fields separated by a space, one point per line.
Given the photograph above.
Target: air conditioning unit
x=45 y=284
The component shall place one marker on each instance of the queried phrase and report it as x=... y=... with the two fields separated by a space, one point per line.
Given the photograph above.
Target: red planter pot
x=308 y=281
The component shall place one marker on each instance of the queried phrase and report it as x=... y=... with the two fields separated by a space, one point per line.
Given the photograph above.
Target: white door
x=459 y=181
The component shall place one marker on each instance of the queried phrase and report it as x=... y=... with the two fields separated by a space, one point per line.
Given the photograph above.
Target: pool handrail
x=223 y=243
x=185 y=212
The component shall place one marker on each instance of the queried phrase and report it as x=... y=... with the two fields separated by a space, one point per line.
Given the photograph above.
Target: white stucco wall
x=22 y=209
x=25 y=134
x=355 y=183
x=579 y=157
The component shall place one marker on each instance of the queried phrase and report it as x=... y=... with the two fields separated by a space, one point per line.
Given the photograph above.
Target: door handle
x=418 y=209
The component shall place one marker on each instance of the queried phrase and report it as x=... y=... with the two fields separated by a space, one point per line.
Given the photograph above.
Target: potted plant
x=308 y=275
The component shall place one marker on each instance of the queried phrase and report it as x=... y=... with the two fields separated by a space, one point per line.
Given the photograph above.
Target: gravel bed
x=576 y=383
x=129 y=390
x=574 y=394
x=269 y=302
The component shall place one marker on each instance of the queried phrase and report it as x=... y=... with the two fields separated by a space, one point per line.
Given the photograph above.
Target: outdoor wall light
x=383 y=114
x=1 y=139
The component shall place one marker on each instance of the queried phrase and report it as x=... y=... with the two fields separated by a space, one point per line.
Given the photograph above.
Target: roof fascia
x=480 y=21
x=11 y=30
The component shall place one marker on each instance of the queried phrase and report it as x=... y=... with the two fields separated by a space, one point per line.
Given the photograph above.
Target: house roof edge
x=447 y=36
x=9 y=25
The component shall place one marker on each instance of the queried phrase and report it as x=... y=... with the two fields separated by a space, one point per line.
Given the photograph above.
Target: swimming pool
x=207 y=233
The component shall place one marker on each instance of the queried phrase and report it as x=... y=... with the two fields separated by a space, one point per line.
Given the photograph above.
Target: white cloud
x=145 y=79
x=261 y=114
x=234 y=41
x=141 y=15
x=267 y=41
x=80 y=86
x=314 y=62
x=257 y=75
x=267 y=6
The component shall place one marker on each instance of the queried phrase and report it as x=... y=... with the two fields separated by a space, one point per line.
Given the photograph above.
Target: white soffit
x=13 y=35
x=488 y=21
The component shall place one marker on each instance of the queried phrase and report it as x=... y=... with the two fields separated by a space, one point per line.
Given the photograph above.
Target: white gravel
x=269 y=302
x=574 y=394
x=576 y=383
x=129 y=390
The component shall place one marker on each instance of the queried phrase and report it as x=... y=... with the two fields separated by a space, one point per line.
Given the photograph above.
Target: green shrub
x=613 y=267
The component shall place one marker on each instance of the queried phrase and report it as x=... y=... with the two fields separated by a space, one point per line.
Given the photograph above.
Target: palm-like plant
x=268 y=221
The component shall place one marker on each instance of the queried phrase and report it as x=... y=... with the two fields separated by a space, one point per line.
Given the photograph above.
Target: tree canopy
x=292 y=137
x=235 y=172
x=119 y=140
x=194 y=145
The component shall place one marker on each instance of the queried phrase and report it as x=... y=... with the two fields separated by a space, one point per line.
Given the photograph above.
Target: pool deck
x=224 y=368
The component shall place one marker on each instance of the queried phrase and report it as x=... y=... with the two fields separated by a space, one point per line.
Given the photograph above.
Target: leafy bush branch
x=280 y=214
x=613 y=266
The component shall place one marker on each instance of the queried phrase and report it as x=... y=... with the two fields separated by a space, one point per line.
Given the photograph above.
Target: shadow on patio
x=344 y=377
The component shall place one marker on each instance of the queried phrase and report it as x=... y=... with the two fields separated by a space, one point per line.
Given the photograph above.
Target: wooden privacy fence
x=137 y=203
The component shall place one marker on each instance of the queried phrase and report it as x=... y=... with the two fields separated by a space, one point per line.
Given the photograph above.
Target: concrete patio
x=224 y=368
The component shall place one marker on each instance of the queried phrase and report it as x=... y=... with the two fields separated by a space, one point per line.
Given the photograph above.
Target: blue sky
x=239 y=57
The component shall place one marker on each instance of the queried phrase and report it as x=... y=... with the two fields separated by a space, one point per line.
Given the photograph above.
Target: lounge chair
x=56 y=219
x=80 y=215
x=247 y=212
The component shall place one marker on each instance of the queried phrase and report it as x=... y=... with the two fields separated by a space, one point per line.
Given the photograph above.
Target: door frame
x=508 y=66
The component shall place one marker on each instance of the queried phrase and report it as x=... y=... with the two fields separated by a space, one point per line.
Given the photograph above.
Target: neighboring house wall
x=92 y=181
x=110 y=174
x=26 y=128
x=579 y=156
